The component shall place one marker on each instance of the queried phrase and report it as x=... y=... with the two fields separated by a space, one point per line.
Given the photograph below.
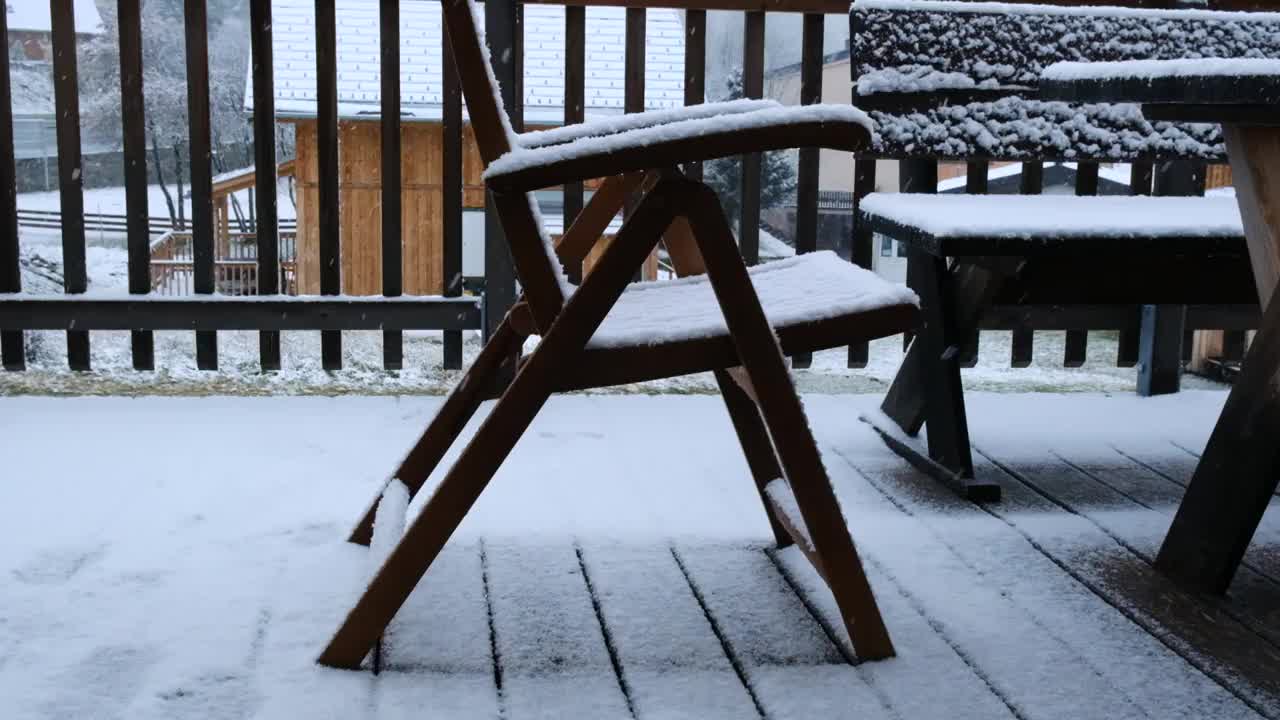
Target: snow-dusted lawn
x=184 y=558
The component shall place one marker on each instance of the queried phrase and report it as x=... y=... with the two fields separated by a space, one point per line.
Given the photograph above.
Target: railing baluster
x=975 y=183
x=861 y=249
x=201 y=170
x=137 y=213
x=752 y=87
x=267 y=236
x=1140 y=179
x=1077 y=342
x=70 y=180
x=12 y=353
x=575 y=64
x=392 y=247
x=500 y=284
x=327 y=159
x=1022 y=345
x=807 y=175
x=695 y=70
x=451 y=205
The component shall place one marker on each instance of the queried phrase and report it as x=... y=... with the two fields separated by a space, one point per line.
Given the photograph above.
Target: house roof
x=33 y=16
x=1116 y=176
x=359 y=76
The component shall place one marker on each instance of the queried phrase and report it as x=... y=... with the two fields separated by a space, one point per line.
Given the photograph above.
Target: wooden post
x=132 y=113
x=861 y=245
x=499 y=270
x=12 y=352
x=266 y=225
x=575 y=63
x=695 y=71
x=807 y=176
x=327 y=159
x=752 y=87
x=70 y=181
x=392 y=197
x=451 y=182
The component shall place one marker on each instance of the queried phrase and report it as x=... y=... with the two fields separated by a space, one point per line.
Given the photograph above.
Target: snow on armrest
x=622 y=123
x=388 y=523
x=1156 y=69
x=524 y=158
x=782 y=499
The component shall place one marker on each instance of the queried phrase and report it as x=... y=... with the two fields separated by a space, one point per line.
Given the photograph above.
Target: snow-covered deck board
x=618 y=567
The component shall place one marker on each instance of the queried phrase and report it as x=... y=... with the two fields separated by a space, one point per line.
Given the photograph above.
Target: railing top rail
x=830 y=7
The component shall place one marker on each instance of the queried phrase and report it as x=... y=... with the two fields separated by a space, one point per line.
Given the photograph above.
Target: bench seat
x=1036 y=225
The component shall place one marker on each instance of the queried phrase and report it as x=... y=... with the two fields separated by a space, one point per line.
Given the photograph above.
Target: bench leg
x=448 y=422
x=761 y=356
x=1160 y=349
x=927 y=388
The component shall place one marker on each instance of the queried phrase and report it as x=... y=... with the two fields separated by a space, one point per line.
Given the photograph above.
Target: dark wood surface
x=575 y=64
x=752 y=87
x=806 y=239
x=200 y=156
x=392 y=200
x=861 y=245
x=327 y=159
x=12 y=352
x=451 y=181
x=194 y=312
x=70 y=180
x=695 y=71
x=133 y=135
x=265 y=180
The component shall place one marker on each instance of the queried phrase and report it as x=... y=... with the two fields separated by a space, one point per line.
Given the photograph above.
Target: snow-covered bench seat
x=813 y=301
x=961 y=79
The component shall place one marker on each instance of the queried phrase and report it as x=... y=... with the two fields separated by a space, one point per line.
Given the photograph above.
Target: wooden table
x=1240 y=466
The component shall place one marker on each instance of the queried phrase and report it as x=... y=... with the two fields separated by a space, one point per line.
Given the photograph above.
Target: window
x=886 y=247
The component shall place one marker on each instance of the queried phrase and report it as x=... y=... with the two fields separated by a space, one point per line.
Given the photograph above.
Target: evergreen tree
x=777 y=176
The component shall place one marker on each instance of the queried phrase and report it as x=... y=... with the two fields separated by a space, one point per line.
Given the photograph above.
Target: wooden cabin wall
x=360 y=195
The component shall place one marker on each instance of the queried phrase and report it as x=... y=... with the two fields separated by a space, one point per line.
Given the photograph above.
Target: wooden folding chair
x=599 y=333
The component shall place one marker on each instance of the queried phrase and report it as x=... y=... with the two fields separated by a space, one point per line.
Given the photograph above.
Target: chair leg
x=448 y=422
x=756 y=445
x=497 y=436
x=784 y=416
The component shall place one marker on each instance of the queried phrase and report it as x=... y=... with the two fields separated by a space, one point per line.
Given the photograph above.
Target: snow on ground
x=184 y=558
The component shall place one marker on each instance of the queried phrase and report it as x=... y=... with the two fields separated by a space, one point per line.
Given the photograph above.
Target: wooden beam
x=196 y=312
x=752 y=87
x=327 y=160
x=807 y=174
x=695 y=71
x=575 y=63
x=12 y=351
x=70 y=179
x=265 y=180
x=451 y=182
x=392 y=198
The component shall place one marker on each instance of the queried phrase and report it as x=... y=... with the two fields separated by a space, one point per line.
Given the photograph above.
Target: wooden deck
x=672 y=605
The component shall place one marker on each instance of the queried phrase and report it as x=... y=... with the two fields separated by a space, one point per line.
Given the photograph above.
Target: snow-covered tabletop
x=1189 y=81
x=960 y=224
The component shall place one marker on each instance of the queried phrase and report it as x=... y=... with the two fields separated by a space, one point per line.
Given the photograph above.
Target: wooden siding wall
x=360 y=195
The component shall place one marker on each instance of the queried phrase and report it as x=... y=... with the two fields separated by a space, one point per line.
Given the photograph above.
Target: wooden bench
x=958 y=81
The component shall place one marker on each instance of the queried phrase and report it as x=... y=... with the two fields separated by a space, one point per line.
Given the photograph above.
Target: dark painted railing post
x=1022 y=345
x=1077 y=341
x=327 y=157
x=265 y=178
x=70 y=178
x=695 y=70
x=392 y=247
x=451 y=207
x=575 y=64
x=1140 y=181
x=919 y=175
x=633 y=76
x=137 y=212
x=500 y=277
x=975 y=183
x=12 y=354
x=1160 y=346
x=861 y=244
x=752 y=87
x=807 y=174
x=201 y=170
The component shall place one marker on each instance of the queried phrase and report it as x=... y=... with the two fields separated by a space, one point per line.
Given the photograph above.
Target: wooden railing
x=235 y=267
x=451 y=313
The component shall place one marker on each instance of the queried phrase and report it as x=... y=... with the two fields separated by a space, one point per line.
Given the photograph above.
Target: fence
x=235 y=269
x=105 y=222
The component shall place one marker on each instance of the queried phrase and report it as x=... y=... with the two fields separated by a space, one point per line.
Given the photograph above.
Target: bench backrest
x=957 y=80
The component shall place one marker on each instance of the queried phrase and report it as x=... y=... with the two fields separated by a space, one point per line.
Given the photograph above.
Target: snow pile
x=921 y=47
x=1153 y=69
x=388 y=523
x=1058 y=216
x=804 y=288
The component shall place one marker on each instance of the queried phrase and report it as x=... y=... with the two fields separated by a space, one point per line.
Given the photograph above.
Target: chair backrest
x=541 y=274
x=958 y=80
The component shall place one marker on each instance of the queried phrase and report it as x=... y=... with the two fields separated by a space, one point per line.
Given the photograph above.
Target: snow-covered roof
x=421 y=90
x=33 y=16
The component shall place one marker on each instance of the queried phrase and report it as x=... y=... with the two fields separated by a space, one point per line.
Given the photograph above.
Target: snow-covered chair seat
x=969 y=225
x=813 y=302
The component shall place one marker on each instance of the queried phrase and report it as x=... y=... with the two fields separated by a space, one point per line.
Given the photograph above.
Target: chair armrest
x=634 y=121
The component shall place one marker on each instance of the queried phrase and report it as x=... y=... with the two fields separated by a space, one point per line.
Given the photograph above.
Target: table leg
x=1240 y=467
